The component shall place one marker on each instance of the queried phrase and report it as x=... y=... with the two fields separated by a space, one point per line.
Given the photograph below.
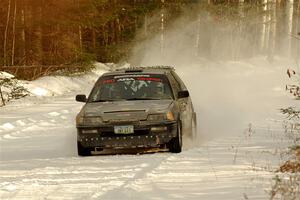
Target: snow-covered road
x=39 y=158
x=39 y=131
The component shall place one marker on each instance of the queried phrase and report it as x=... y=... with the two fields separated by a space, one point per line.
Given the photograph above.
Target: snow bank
x=55 y=85
x=58 y=85
x=10 y=88
x=5 y=75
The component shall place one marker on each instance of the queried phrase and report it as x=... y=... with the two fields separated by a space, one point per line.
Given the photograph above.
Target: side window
x=175 y=85
x=179 y=81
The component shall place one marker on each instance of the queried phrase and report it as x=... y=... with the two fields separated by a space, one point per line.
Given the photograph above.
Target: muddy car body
x=135 y=108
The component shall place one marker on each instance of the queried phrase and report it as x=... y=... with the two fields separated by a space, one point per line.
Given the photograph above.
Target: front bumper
x=104 y=137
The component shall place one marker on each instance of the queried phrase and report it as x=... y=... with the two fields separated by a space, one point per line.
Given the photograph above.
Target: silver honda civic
x=129 y=108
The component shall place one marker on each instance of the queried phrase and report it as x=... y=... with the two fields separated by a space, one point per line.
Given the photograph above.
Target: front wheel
x=83 y=151
x=175 y=145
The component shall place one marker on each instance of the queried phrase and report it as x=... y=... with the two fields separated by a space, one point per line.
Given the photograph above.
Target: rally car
x=141 y=107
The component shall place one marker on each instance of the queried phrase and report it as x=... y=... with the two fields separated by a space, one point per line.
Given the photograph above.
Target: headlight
x=88 y=121
x=79 y=120
x=170 y=116
x=156 y=117
x=92 y=120
x=160 y=117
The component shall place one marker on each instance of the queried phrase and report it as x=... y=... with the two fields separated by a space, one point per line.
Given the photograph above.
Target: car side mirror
x=81 y=98
x=183 y=94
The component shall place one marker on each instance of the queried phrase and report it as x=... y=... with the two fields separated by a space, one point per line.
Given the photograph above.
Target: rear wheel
x=83 y=151
x=175 y=145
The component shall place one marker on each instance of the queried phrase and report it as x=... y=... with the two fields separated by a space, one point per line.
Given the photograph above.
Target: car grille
x=112 y=134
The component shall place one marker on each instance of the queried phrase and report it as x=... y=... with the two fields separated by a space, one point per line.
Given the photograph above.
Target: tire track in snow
x=45 y=117
x=58 y=178
x=148 y=168
x=39 y=131
x=188 y=175
x=211 y=171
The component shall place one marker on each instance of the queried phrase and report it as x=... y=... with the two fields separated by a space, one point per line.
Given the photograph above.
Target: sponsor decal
x=149 y=79
x=125 y=79
x=108 y=81
x=132 y=76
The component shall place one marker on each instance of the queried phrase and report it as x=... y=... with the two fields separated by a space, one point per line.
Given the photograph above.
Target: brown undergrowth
x=291 y=166
x=287 y=180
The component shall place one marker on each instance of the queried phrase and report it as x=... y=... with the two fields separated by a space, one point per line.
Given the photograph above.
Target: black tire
x=83 y=151
x=194 y=126
x=175 y=145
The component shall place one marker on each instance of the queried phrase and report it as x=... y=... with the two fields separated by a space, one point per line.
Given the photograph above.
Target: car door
x=186 y=106
x=181 y=103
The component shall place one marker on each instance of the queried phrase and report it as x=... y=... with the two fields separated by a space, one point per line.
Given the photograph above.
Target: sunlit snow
x=39 y=91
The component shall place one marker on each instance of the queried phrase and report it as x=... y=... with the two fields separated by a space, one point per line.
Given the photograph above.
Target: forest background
x=46 y=34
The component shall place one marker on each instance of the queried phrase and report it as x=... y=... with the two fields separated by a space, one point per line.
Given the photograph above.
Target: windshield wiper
x=129 y=99
x=103 y=100
x=141 y=98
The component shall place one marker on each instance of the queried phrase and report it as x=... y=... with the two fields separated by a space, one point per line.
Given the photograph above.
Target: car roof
x=149 y=69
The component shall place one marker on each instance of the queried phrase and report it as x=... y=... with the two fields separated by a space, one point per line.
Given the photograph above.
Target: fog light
x=90 y=131
x=159 y=128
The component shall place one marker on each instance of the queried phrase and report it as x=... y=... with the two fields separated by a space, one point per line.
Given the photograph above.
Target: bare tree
x=38 y=13
x=14 y=35
x=1 y=95
x=5 y=33
x=79 y=31
x=23 y=36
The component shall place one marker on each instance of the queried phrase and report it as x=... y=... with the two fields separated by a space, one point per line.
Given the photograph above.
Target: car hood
x=126 y=110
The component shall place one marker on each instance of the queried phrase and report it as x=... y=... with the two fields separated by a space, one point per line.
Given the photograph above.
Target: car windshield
x=131 y=87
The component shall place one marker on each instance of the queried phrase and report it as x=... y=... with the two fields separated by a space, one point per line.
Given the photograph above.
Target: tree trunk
x=105 y=35
x=3 y=101
x=5 y=35
x=94 y=39
x=80 y=38
x=23 y=37
x=145 y=25
x=197 y=45
x=112 y=32
x=79 y=31
x=298 y=30
x=14 y=36
x=118 y=32
x=38 y=35
x=162 y=32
